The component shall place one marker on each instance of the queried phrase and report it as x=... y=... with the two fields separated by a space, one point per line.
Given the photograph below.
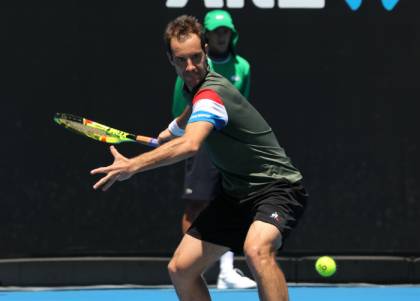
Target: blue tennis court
x=297 y=293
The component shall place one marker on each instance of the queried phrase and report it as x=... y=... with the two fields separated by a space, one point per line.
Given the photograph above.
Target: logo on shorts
x=188 y=191
x=275 y=216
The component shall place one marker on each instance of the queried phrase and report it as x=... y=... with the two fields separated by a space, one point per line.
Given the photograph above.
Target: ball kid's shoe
x=234 y=279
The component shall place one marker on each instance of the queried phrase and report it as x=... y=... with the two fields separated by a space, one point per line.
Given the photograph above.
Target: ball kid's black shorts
x=202 y=179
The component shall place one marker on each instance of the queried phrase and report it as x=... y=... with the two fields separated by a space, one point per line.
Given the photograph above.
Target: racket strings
x=92 y=129
x=89 y=131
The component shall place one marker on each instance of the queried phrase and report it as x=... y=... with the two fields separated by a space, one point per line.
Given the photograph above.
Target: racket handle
x=153 y=142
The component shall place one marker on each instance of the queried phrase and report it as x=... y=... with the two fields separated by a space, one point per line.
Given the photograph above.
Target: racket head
x=92 y=129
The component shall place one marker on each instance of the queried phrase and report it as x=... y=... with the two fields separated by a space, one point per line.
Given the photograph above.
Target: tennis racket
x=99 y=131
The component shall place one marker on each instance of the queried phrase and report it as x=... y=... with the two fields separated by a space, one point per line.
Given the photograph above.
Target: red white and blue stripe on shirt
x=208 y=106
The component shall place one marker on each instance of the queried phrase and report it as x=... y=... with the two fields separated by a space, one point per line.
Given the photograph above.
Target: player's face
x=219 y=40
x=189 y=60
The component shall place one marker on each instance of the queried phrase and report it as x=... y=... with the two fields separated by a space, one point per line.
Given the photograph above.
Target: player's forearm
x=169 y=153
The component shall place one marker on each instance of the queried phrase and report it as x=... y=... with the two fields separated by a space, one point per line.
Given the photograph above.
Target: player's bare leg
x=191 y=259
x=260 y=247
x=191 y=211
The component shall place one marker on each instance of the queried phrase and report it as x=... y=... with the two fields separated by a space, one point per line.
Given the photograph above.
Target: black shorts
x=202 y=179
x=226 y=220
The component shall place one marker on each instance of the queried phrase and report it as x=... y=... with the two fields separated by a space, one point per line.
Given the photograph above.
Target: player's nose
x=190 y=66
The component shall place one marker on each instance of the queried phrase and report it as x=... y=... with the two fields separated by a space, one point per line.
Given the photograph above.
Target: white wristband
x=175 y=129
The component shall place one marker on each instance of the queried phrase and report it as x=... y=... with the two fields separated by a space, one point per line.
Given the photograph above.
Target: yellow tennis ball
x=325 y=266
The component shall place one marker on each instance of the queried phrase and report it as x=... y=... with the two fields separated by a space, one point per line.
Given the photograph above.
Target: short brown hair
x=181 y=28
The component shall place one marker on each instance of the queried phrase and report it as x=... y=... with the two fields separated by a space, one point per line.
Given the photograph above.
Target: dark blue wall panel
x=339 y=87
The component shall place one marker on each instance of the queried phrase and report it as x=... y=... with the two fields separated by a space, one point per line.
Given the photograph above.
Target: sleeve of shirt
x=208 y=106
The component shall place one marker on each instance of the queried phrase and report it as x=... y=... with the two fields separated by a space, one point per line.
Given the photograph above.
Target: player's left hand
x=119 y=170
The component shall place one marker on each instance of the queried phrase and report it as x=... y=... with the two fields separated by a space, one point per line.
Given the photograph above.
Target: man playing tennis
x=202 y=180
x=262 y=195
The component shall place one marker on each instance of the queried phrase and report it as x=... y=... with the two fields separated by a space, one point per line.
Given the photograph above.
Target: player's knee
x=177 y=270
x=173 y=268
x=258 y=254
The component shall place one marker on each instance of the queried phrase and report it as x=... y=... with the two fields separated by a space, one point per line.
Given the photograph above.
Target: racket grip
x=153 y=142
x=149 y=141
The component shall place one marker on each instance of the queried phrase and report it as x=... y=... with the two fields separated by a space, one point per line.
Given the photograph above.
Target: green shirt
x=244 y=148
x=235 y=68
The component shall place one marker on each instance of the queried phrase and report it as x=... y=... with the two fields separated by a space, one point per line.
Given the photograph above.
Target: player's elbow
x=192 y=146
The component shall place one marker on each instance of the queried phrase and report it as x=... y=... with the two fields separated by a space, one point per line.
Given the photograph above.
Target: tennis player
x=202 y=179
x=262 y=192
